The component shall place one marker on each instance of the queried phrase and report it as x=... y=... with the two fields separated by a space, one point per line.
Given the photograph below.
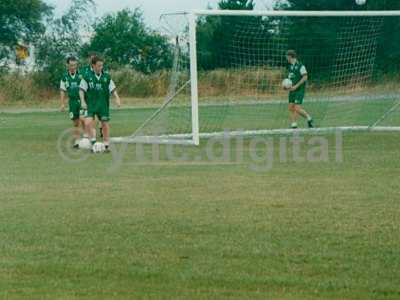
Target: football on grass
x=99 y=148
x=361 y=2
x=84 y=144
x=287 y=83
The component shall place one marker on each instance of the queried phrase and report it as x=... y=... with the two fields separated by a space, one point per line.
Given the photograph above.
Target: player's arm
x=82 y=90
x=62 y=97
x=113 y=91
x=303 y=80
x=117 y=98
x=63 y=91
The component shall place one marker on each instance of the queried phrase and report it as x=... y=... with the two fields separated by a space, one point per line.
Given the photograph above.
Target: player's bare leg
x=82 y=125
x=300 y=111
x=98 y=124
x=94 y=126
x=77 y=132
x=293 y=115
x=89 y=129
x=106 y=134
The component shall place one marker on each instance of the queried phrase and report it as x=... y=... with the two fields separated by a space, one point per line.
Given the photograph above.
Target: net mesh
x=242 y=63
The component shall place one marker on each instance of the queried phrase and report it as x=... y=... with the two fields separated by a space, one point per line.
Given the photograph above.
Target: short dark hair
x=96 y=59
x=291 y=53
x=71 y=58
x=92 y=54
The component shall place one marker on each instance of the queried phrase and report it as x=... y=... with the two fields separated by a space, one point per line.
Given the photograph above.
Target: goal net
x=228 y=69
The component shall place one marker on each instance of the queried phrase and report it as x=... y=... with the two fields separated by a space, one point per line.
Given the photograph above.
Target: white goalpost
x=228 y=67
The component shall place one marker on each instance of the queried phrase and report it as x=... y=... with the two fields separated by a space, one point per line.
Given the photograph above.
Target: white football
x=361 y=2
x=287 y=83
x=84 y=144
x=99 y=147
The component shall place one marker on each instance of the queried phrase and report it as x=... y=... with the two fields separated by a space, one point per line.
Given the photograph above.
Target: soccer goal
x=228 y=68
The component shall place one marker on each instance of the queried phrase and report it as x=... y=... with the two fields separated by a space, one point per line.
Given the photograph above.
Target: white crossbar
x=294 y=13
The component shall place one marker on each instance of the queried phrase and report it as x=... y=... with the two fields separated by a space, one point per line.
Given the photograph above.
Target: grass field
x=201 y=230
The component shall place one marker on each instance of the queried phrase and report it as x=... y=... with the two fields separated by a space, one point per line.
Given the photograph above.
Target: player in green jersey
x=96 y=89
x=69 y=87
x=298 y=75
x=86 y=70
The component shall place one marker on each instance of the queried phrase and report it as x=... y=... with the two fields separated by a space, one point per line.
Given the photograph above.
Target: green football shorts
x=296 y=97
x=74 y=109
x=101 y=110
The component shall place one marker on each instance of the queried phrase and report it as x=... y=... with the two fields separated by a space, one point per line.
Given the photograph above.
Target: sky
x=152 y=8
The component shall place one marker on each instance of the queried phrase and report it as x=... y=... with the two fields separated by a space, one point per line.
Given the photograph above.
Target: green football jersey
x=70 y=84
x=296 y=73
x=97 y=88
x=98 y=91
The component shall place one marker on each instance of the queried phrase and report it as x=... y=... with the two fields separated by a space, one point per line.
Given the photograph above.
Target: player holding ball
x=296 y=85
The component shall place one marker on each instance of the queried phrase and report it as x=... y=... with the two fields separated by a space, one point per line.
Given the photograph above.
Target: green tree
x=303 y=30
x=215 y=34
x=124 y=39
x=389 y=50
x=236 y=4
x=62 y=39
x=20 y=21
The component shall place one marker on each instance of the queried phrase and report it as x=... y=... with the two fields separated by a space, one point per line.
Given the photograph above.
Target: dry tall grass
x=255 y=82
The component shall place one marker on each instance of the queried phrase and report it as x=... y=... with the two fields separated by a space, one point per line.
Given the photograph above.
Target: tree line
x=125 y=40
x=317 y=40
